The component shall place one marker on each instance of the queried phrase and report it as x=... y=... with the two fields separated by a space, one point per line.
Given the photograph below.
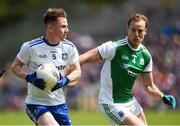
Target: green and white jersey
x=122 y=65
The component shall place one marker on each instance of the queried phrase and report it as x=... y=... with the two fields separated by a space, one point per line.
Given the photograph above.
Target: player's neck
x=133 y=46
x=52 y=40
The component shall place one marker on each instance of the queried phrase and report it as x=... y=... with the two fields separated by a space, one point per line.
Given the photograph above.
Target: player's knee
x=47 y=119
x=133 y=120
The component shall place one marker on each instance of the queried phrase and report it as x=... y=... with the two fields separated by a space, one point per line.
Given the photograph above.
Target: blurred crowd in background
x=163 y=42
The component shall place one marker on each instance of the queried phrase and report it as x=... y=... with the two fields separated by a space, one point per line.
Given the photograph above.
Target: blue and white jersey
x=38 y=51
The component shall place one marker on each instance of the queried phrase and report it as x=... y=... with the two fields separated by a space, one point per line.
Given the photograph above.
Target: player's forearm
x=84 y=58
x=67 y=70
x=154 y=92
x=18 y=71
x=150 y=87
x=90 y=56
x=74 y=77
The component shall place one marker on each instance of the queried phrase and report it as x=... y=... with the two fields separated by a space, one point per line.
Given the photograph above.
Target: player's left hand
x=61 y=82
x=169 y=100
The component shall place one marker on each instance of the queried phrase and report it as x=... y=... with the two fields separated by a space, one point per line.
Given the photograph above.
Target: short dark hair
x=137 y=17
x=52 y=14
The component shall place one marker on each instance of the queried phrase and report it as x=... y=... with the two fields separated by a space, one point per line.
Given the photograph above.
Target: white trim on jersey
x=149 y=67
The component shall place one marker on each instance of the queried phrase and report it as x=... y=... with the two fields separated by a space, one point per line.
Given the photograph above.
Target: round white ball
x=49 y=73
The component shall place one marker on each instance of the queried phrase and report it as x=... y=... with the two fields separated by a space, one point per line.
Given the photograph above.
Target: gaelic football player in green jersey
x=125 y=60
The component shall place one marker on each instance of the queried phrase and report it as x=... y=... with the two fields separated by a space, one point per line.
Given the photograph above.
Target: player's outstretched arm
x=154 y=91
x=90 y=56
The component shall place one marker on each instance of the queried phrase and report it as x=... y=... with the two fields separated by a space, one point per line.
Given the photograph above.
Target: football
x=49 y=73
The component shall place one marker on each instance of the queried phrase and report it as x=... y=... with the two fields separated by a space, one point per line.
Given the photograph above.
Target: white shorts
x=117 y=112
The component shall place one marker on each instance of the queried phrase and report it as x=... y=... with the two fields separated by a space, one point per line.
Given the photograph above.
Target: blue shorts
x=60 y=113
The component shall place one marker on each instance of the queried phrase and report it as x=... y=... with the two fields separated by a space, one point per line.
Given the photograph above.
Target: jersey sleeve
x=24 y=53
x=107 y=50
x=148 y=68
x=74 y=55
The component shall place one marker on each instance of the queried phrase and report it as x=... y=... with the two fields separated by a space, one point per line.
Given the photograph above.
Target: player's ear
x=145 y=31
x=50 y=27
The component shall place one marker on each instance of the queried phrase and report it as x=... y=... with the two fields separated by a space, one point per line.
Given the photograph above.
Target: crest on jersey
x=121 y=113
x=64 y=56
x=141 y=62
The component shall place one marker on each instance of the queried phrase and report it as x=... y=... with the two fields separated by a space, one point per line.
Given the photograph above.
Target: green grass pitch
x=154 y=117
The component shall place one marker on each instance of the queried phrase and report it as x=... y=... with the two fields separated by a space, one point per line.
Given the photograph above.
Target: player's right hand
x=169 y=100
x=38 y=82
x=61 y=82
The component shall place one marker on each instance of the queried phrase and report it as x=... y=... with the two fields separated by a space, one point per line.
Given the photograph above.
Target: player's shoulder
x=120 y=41
x=36 y=41
x=68 y=43
x=145 y=50
x=114 y=43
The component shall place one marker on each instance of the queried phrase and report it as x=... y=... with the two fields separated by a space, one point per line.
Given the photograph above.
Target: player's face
x=136 y=32
x=60 y=28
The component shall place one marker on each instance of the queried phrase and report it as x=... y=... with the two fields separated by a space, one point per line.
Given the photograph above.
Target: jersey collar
x=49 y=43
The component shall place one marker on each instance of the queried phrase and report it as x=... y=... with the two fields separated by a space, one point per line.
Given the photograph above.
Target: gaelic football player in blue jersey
x=48 y=108
x=124 y=60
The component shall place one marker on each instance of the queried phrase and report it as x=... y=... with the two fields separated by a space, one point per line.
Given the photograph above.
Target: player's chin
x=65 y=35
x=137 y=41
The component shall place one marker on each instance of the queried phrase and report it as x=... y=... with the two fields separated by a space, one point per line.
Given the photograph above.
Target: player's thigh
x=40 y=114
x=119 y=114
x=133 y=120
x=115 y=114
x=47 y=119
x=60 y=113
x=142 y=117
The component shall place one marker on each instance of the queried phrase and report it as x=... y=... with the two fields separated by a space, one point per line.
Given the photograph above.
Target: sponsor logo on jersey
x=125 y=69
x=64 y=56
x=61 y=67
x=42 y=56
x=125 y=57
